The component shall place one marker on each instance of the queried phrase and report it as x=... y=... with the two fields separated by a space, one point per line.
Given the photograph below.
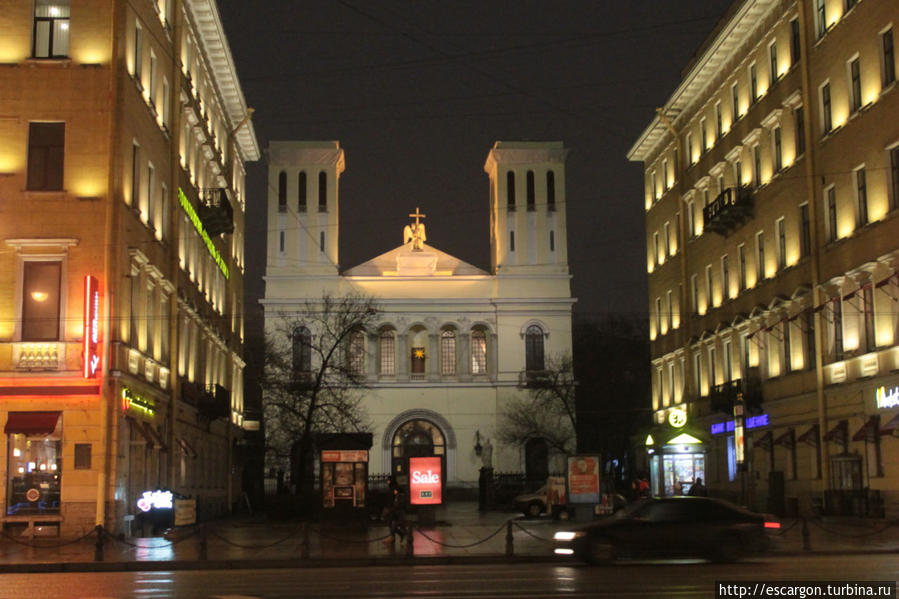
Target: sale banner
x=425 y=481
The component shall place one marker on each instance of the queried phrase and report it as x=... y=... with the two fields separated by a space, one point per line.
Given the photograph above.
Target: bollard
x=510 y=549
x=98 y=548
x=304 y=551
x=806 y=537
x=204 y=546
x=409 y=541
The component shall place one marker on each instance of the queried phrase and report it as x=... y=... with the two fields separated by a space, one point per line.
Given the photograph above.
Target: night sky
x=417 y=92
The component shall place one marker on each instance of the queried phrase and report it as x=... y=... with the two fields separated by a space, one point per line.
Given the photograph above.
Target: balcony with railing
x=728 y=211
x=215 y=211
x=211 y=401
x=723 y=397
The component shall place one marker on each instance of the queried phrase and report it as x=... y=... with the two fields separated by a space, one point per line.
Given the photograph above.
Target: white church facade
x=453 y=342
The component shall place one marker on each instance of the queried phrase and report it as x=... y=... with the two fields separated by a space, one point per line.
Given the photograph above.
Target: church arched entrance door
x=416 y=439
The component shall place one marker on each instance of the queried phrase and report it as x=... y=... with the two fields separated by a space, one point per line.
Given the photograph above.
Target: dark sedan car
x=671 y=527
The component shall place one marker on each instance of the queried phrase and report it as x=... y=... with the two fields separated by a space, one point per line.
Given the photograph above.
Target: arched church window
x=301 y=191
x=387 y=351
x=532 y=202
x=533 y=349
x=323 y=191
x=302 y=350
x=448 y=352
x=550 y=191
x=418 y=438
x=282 y=192
x=478 y=352
x=356 y=353
x=510 y=190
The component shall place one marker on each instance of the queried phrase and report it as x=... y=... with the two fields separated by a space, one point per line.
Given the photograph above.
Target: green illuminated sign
x=133 y=401
x=198 y=225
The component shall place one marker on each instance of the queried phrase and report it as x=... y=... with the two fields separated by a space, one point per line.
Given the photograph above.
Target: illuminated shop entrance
x=675 y=466
x=415 y=439
x=34 y=467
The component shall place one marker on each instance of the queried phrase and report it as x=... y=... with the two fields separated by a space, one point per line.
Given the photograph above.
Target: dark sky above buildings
x=417 y=91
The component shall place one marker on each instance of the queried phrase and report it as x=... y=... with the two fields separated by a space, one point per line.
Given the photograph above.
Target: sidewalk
x=460 y=534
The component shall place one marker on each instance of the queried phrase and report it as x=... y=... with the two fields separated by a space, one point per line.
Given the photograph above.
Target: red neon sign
x=425 y=481
x=91 y=327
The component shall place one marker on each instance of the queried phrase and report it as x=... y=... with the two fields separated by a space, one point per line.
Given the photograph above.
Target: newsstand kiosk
x=343 y=472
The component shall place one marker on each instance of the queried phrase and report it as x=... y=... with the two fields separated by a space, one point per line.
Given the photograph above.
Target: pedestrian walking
x=698 y=489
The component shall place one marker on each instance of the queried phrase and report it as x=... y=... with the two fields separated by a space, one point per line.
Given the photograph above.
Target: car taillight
x=772 y=524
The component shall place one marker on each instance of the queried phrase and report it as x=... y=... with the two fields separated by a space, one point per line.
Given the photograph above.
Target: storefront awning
x=788 y=439
x=155 y=437
x=890 y=427
x=811 y=436
x=186 y=448
x=868 y=429
x=839 y=433
x=31 y=423
x=765 y=441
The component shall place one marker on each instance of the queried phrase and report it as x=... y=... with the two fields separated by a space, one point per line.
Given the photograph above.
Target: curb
x=275 y=564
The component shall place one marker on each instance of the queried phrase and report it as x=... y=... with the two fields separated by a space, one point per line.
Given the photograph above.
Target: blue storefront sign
x=751 y=422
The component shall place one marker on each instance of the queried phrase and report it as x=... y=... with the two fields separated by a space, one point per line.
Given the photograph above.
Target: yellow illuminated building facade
x=123 y=139
x=771 y=191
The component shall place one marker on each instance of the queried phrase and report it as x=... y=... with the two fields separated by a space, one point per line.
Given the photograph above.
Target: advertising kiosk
x=343 y=472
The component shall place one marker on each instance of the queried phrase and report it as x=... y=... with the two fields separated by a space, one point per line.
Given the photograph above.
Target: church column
x=492 y=357
x=463 y=356
x=433 y=357
x=402 y=356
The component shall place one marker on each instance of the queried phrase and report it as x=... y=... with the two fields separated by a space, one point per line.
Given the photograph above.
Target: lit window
x=41 y=300
x=387 y=348
x=889 y=59
x=478 y=352
x=855 y=84
x=448 y=353
x=51 y=29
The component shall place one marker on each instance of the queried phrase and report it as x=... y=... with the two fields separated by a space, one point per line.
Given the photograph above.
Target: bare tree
x=314 y=377
x=548 y=412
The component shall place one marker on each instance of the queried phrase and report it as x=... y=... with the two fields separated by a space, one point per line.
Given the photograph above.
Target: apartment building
x=123 y=138
x=771 y=188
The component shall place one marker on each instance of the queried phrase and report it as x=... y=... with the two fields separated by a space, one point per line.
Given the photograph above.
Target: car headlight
x=567 y=535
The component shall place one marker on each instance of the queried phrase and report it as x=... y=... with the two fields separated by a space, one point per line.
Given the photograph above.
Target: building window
x=151 y=88
x=753 y=82
x=138 y=56
x=321 y=241
x=166 y=101
x=46 y=149
x=838 y=328
x=868 y=307
x=694 y=293
x=697 y=373
x=787 y=347
x=691 y=219
x=727 y=369
x=778 y=150
x=772 y=62
x=281 y=239
x=670 y=310
x=550 y=191
x=151 y=201
x=282 y=192
x=795 y=42
x=703 y=135
x=301 y=354
x=810 y=357
x=51 y=29
x=861 y=197
x=855 y=84
x=725 y=277
x=738 y=173
x=531 y=193
x=669 y=248
x=82 y=456
x=889 y=60
x=478 y=352
x=741 y=256
x=448 y=353
x=356 y=353
x=656 y=248
x=41 y=299
x=655 y=187
x=826 y=116
x=665 y=174
x=708 y=284
x=387 y=350
x=688 y=144
x=552 y=241
x=820 y=18
x=135 y=175
x=719 y=126
x=323 y=191
x=894 y=177
x=533 y=349
x=760 y=254
x=805 y=232
x=659 y=315
x=781 y=227
x=830 y=210
x=511 y=241
x=510 y=190
x=756 y=166
x=713 y=378
x=799 y=131
x=301 y=191
x=735 y=99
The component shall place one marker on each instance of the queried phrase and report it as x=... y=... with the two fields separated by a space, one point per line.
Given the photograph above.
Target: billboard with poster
x=583 y=479
x=425 y=481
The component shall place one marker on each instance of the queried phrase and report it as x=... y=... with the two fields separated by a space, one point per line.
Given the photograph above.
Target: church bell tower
x=527 y=208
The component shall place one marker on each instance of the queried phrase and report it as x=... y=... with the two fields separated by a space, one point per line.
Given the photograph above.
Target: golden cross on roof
x=417 y=215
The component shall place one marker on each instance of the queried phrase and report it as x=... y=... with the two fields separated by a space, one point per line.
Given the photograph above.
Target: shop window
x=41 y=300
x=51 y=29
x=34 y=471
x=46 y=145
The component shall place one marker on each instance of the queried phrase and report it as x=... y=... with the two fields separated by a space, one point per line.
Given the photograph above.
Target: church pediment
x=404 y=261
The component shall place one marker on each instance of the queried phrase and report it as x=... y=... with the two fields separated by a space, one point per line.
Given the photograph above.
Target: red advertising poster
x=583 y=479
x=425 y=481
